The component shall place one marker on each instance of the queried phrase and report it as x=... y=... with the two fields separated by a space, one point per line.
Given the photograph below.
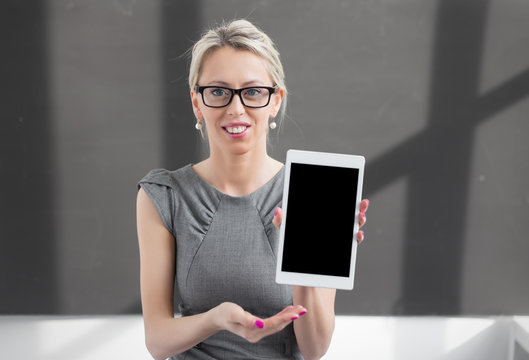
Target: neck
x=240 y=174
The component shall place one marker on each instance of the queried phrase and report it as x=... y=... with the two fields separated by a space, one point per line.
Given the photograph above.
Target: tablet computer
x=321 y=201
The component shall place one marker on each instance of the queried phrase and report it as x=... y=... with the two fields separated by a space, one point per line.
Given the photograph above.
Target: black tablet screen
x=320 y=220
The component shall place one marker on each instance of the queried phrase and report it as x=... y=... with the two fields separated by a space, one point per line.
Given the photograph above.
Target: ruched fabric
x=226 y=250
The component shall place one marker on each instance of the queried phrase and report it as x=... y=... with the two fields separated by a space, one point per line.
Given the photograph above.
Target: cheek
x=211 y=116
x=262 y=120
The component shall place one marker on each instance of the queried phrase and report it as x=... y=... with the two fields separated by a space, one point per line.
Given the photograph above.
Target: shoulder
x=160 y=194
x=173 y=179
x=182 y=186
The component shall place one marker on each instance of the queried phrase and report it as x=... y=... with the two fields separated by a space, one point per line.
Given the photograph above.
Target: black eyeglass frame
x=271 y=91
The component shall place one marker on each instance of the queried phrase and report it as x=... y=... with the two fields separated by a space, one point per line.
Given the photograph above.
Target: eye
x=218 y=92
x=252 y=92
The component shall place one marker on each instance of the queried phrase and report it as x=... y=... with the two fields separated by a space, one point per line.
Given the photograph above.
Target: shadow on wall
x=181 y=144
x=27 y=231
x=435 y=217
x=180 y=141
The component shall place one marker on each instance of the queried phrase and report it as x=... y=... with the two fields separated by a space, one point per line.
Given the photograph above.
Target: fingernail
x=295 y=317
x=367 y=200
x=302 y=313
x=275 y=212
x=361 y=233
x=363 y=214
x=259 y=324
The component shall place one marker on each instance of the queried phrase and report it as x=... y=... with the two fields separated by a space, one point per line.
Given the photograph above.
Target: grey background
x=433 y=93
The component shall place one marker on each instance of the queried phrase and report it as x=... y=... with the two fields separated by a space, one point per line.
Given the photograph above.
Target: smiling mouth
x=236 y=129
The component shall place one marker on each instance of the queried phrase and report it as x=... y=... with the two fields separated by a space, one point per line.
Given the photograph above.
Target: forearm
x=165 y=337
x=314 y=330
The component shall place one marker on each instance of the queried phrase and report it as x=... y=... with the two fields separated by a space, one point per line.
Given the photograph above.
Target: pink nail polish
x=275 y=212
x=295 y=317
x=363 y=214
x=367 y=202
x=302 y=313
x=259 y=324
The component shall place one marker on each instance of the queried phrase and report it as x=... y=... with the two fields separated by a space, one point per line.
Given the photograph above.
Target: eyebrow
x=224 y=83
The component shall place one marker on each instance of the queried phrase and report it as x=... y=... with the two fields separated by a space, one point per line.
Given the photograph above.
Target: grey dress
x=225 y=251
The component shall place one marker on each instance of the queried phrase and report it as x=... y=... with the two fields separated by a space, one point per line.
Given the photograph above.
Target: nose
x=236 y=107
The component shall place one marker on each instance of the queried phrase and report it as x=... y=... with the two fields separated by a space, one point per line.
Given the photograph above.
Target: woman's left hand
x=364 y=204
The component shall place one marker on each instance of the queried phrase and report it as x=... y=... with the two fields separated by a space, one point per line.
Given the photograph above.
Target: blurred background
x=435 y=95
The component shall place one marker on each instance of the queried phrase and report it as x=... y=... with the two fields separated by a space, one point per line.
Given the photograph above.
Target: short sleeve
x=161 y=195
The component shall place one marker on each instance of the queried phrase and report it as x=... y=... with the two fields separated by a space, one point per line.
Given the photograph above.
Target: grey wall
x=433 y=93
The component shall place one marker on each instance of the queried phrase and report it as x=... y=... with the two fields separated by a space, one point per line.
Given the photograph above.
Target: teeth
x=236 y=129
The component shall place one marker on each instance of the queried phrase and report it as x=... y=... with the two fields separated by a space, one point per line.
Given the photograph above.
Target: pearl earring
x=273 y=125
x=198 y=125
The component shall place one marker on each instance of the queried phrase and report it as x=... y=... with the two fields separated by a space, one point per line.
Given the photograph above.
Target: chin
x=240 y=150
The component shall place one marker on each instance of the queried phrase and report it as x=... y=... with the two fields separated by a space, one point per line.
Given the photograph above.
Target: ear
x=195 y=101
x=276 y=100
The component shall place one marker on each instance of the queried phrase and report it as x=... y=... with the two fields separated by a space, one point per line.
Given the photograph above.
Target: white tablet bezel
x=328 y=159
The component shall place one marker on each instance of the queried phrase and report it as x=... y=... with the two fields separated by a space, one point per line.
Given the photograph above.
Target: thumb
x=278 y=217
x=250 y=321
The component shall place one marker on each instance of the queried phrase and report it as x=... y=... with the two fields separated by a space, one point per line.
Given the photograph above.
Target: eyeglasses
x=252 y=97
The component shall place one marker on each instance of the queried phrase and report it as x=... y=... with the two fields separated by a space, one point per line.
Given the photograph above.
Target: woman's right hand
x=232 y=317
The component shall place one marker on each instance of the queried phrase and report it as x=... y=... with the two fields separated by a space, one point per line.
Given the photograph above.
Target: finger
x=255 y=322
x=297 y=313
x=364 y=204
x=273 y=324
x=248 y=320
x=278 y=217
x=293 y=309
x=360 y=237
x=290 y=313
x=254 y=329
x=362 y=219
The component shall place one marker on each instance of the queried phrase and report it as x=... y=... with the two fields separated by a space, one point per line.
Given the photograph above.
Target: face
x=235 y=69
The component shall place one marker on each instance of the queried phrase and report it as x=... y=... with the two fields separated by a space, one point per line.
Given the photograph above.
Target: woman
x=215 y=224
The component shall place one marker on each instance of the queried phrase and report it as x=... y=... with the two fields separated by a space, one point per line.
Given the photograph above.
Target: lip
x=235 y=124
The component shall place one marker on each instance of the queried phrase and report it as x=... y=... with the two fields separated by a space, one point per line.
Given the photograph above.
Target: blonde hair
x=240 y=35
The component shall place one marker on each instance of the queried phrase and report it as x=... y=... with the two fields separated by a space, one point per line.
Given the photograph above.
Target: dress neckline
x=266 y=185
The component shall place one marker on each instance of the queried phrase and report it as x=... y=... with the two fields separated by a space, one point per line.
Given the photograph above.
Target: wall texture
x=435 y=95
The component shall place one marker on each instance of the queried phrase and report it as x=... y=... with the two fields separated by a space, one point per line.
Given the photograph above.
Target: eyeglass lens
x=254 y=97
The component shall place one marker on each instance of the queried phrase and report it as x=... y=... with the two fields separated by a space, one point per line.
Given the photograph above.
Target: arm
x=166 y=335
x=314 y=330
